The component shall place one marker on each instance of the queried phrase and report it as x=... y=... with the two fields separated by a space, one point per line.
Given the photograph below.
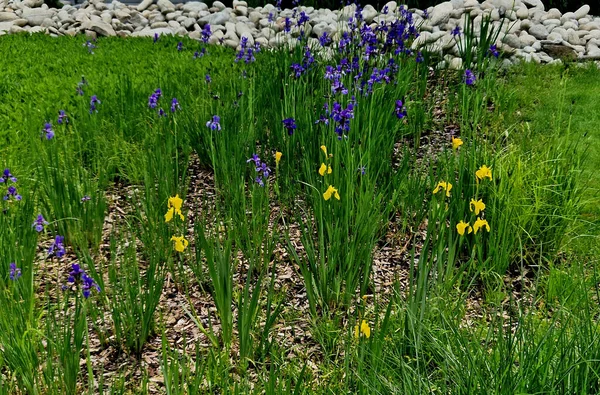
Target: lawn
x=180 y=222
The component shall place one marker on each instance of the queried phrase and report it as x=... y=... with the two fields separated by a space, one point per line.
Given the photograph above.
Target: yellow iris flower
x=180 y=243
x=278 y=156
x=477 y=206
x=462 y=226
x=364 y=329
x=484 y=172
x=443 y=185
x=456 y=142
x=174 y=207
x=324 y=149
x=480 y=223
x=331 y=191
x=324 y=169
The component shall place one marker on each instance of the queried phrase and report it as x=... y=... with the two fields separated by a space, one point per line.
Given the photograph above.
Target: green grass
x=564 y=97
x=275 y=279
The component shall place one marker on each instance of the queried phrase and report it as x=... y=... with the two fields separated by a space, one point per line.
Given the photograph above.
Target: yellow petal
x=324 y=149
x=278 y=156
x=456 y=142
x=365 y=329
x=460 y=227
x=322 y=169
x=169 y=214
x=484 y=172
x=176 y=202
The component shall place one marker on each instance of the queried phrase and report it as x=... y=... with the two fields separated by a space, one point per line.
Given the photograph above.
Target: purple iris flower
x=324 y=39
x=14 y=272
x=175 y=105
x=155 y=38
x=206 y=33
x=342 y=117
x=199 y=54
x=271 y=17
x=161 y=113
x=208 y=79
x=93 y=102
x=303 y=18
x=80 y=86
x=290 y=125
x=39 y=223
x=78 y=276
x=214 y=123
x=494 y=50
x=469 y=77
x=456 y=31
x=180 y=46
x=288 y=25
x=62 y=117
x=400 y=109
x=11 y=193
x=261 y=168
x=153 y=99
x=90 y=46
x=419 y=58
x=85 y=198
x=7 y=175
x=57 y=248
x=48 y=130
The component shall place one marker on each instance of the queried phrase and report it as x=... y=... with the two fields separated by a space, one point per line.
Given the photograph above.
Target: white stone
x=194 y=6
x=35 y=16
x=441 y=13
x=522 y=12
x=538 y=31
x=165 y=6
x=582 y=12
x=7 y=16
x=144 y=5
x=369 y=13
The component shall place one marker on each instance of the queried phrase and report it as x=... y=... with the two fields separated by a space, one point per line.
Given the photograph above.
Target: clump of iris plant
x=247 y=52
x=48 y=131
x=261 y=168
x=290 y=125
x=14 y=272
x=78 y=277
x=214 y=123
x=93 y=104
x=57 y=248
x=39 y=223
